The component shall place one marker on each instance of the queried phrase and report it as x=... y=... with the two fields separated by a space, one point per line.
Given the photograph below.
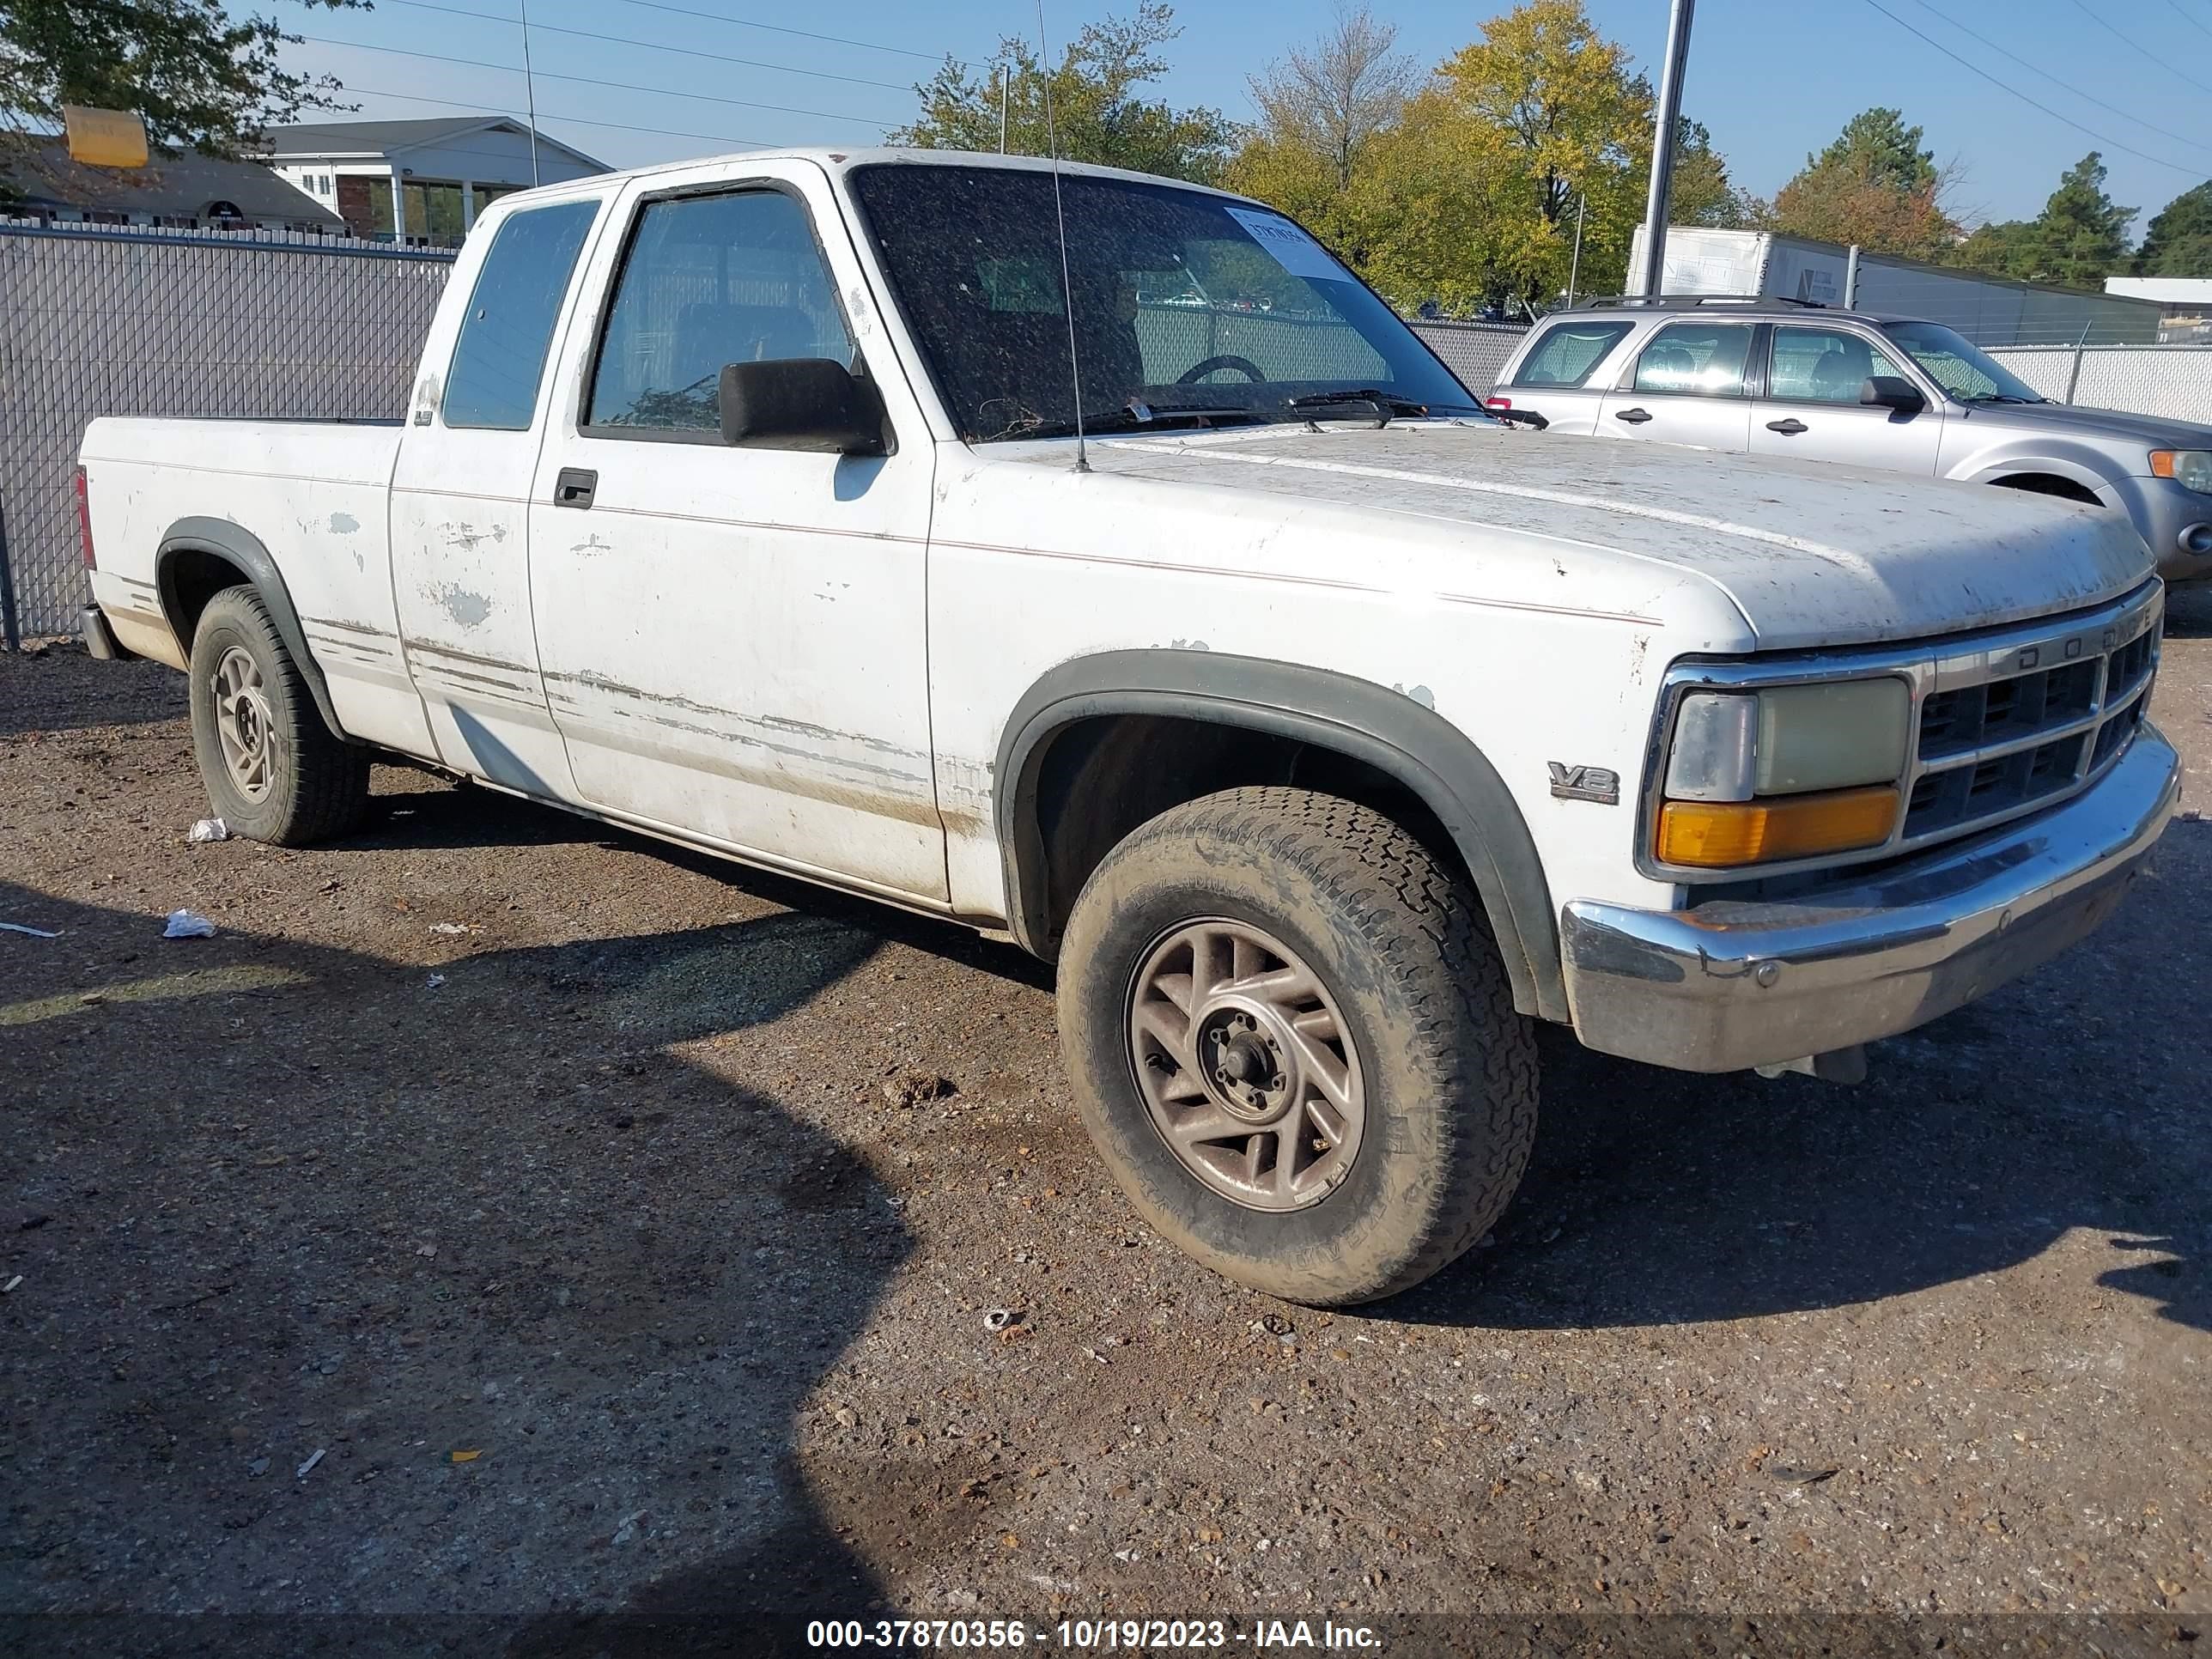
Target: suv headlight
x=1786 y=772
x=2190 y=468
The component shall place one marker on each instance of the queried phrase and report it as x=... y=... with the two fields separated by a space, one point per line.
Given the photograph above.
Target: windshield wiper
x=1387 y=405
x=1151 y=416
x=1384 y=403
x=2004 y=398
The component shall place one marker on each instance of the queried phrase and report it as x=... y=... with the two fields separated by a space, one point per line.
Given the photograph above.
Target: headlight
x=2190 y=468
x=1788 y=772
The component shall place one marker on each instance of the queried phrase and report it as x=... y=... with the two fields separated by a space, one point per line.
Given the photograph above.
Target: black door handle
x=1789 y=429
x=1633 y=417
x=574 y=486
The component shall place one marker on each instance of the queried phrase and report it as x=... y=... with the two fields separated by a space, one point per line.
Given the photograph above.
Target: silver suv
x=1768 y=379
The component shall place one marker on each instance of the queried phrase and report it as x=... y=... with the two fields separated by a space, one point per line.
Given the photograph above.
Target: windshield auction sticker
x=1295 y=250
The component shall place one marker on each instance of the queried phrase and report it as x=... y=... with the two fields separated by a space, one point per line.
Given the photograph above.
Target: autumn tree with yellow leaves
x=1468 y=190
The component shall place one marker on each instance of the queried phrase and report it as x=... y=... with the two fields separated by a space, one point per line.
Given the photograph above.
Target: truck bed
x=312 y=494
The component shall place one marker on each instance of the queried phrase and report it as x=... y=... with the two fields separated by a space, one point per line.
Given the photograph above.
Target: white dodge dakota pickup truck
x=1173 y=612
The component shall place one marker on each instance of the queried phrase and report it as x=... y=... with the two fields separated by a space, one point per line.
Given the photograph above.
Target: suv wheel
x=1293 y=1043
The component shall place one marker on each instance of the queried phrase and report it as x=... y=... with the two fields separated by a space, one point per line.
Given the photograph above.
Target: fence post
x=2074 y=379
x=7 y=588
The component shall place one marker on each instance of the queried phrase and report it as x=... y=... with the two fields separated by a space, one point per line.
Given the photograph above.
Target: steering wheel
x=1198 y=372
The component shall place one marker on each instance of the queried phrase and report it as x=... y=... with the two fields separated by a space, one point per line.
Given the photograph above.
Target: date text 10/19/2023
x=1094 y=1635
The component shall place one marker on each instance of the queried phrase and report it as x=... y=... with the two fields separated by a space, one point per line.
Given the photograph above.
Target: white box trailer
x=1990 y=310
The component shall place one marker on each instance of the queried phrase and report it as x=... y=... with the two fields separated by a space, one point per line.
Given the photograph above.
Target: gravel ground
x=513 y=1224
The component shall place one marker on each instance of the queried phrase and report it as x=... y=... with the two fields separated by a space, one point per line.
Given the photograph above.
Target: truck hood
x=1811 y=555
x=2152 y=431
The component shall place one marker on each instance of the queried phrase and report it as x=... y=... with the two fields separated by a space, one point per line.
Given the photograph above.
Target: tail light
x=1497 y=403
x=84 y=518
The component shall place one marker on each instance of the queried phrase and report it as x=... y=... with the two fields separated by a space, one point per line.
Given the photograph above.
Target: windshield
x=1188 y=308
x=1960 y=367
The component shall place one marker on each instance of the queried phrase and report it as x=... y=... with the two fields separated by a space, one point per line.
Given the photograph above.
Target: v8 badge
x=1585 y=783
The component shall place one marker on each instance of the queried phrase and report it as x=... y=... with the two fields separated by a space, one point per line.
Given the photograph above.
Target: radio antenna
x=1059 y=216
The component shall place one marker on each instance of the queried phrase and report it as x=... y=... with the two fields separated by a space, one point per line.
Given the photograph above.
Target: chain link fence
x=98 y=320
x=2174 y=381
x=1473 y=352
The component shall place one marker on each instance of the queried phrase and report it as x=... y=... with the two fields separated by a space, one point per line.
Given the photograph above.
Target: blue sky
x=1772 y=79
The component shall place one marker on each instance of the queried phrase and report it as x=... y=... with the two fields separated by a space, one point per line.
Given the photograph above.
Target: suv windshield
x=1187 y=307
x=1960 y=367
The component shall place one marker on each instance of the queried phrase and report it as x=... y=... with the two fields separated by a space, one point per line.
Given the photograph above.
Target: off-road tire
x=1402 y=947
x=318 y=783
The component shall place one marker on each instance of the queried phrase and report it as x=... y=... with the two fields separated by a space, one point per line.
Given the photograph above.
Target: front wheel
x=1293 y=1043
x=274 y=771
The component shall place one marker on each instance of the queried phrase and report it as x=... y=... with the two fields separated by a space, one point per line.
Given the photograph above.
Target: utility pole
x=1002 y=108
x=529 y=91
x=1575 y=268
x=1668 y=118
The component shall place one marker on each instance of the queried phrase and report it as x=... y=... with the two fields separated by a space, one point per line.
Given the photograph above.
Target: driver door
x=733 y=640
x=1812 y=410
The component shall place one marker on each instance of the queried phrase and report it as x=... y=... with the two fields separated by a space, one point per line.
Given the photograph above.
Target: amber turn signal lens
x=1715 y=834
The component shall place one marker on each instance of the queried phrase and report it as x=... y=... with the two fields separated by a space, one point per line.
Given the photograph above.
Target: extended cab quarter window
x=1701 y=359
x=500 y=355
x=711 y=280
x=1567 y=353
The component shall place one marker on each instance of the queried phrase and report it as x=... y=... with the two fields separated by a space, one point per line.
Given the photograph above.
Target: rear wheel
x=1293 y=1043
x=274 y=771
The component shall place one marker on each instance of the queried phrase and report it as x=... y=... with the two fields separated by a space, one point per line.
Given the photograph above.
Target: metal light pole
x=1662 y=145
x=530 y=90
x=1575 y=270
x=1002 y=109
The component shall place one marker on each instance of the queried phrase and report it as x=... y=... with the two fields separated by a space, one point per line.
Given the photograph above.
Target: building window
x=323 y=185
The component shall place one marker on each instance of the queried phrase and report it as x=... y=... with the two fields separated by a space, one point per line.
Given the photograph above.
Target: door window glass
x=1704 y=360
x=500 y=355
x=1823 y=365
x=711 y=280
x=1565 y=356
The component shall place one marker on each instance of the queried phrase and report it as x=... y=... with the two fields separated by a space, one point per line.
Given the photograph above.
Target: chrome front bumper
x=1734 y=984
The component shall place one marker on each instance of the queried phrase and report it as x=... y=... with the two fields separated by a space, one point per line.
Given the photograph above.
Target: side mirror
x=809 y=403
x=1891 y=392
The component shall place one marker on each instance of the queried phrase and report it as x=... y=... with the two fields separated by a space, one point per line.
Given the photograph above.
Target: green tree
x=2079 y=239
x=1877 y=146
x=1701 y=193
x=199 y=77
x=1097 y=109
x=1874 y=186
x=2177 y=242
x=2082 y=235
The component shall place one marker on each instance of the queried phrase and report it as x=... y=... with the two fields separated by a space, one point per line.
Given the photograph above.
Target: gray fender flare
x=242 y=548
x=1370 y=723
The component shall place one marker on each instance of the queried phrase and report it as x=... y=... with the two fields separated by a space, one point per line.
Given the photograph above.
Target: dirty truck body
x=1327 y=733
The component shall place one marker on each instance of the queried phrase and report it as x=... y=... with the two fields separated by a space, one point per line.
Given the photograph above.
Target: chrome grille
x=2011 y=721
x=2006 y=728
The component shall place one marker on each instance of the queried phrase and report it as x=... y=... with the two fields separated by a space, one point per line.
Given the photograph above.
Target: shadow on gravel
x=341 y=1290
x=464 y=815
x=2072 y=1100
x=63 y=690
x=2189 y=611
